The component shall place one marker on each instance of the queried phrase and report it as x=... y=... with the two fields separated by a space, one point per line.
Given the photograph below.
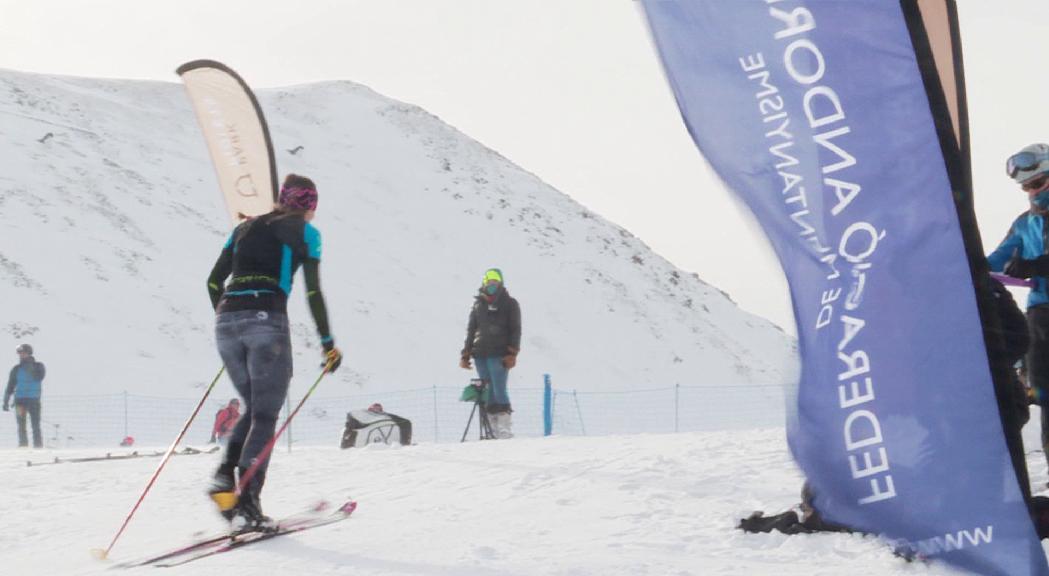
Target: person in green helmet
x=493 y=339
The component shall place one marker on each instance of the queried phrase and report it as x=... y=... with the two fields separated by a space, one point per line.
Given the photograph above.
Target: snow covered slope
x=111 y=221
x=652 y=505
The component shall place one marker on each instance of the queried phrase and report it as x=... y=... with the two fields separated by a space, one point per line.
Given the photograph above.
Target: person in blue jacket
x=1024 y=253
x=24 y=383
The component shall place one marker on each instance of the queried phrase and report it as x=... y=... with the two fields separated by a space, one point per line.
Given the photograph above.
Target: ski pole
x=250 y=472
x=103 y=554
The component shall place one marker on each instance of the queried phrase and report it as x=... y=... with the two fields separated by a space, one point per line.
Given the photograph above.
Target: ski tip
x=99 y=554
x=348 y=507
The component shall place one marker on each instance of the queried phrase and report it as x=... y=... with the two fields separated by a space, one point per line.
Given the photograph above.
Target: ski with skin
x=219 y=539
x=314 y=516
x=187 y=451
x=241 y=540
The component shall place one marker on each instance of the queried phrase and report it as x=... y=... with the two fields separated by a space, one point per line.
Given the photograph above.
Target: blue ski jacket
x=25 y=380
x=1027 y=239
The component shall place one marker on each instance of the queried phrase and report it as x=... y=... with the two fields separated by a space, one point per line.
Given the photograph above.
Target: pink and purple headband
x=298 y=198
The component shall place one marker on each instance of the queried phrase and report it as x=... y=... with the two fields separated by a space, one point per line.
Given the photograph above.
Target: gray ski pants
x=255 y=346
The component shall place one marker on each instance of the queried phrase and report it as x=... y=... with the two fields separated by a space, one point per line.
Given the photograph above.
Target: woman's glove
x=332 y=357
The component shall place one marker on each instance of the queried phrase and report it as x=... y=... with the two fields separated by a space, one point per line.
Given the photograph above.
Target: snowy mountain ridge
x=112 y=220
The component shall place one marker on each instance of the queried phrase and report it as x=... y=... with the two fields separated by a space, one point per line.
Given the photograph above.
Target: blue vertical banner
x=814 y=112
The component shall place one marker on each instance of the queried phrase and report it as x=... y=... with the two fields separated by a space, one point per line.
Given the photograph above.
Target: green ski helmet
x=493 y=274
x=492 y=281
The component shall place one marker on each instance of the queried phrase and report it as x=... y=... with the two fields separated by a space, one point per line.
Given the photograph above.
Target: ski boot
x=223 y=491
x=248 y=516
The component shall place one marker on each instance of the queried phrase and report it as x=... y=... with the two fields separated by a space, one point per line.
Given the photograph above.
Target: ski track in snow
x=602 y=506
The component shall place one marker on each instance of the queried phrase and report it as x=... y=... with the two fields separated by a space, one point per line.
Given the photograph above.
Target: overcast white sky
x=568 y=89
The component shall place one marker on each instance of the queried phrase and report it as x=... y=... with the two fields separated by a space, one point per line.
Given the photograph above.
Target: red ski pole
x=250 y=472
x=103 y=554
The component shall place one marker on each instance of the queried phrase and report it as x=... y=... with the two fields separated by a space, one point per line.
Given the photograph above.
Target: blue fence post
x=548 y=406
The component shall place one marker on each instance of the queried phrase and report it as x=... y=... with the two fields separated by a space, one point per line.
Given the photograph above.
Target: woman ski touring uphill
x=251 y=331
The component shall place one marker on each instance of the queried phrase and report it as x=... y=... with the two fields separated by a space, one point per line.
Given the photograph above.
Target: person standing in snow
x=24 y=383
x=493 y=339
x=253 y=338
x=1010 y=392
x=225 y=419
x=1024 y=253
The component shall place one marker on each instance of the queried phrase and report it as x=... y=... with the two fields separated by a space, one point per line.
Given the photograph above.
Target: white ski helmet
x=1028 y=163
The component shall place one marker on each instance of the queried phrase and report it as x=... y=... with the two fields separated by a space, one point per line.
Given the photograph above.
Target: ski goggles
x=1023 y=161
x=1036 y=183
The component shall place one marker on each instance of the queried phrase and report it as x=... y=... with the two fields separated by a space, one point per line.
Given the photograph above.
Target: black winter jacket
x=493 y=329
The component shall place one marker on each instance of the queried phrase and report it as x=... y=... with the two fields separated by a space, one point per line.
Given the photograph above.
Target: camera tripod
x=480 y=407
